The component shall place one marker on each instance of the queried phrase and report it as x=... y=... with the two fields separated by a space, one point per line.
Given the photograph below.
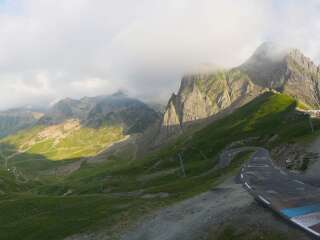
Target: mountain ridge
x=271 y=67
x=115 y=109
x=13 y=120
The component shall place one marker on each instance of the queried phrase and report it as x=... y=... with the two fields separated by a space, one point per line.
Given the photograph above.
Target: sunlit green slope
x=68 y=140
x=110 y=195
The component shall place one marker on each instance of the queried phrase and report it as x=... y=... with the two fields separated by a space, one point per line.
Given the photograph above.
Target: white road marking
x=264 y=200
x=308 y=220
x=305 y=227
x=297 y=181
x=248 y=186
x=258 y=165
x=271 y=191
x=303 y=221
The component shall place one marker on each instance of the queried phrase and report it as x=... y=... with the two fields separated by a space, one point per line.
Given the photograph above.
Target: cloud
x=52 y=49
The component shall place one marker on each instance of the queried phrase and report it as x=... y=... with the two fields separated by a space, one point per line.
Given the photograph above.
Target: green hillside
x=112 y=194
x=260 y=120
x=68 y=140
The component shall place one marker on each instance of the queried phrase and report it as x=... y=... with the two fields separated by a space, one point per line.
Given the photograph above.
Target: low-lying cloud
x=52 y=49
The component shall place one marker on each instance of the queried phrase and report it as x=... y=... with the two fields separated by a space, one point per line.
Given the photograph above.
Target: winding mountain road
x=283 y=192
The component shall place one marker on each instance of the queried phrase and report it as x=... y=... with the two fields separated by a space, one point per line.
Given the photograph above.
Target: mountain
x=77 y=195
x=285 y=70
x=69 y=108
x=16 y=119
x=203 y=95
x=118 y=109
x=129 y=191
x=159 y=107
x=132 y=115
x=73 y=129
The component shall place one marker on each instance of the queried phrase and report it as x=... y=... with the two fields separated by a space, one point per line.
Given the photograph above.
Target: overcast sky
x=50 y=49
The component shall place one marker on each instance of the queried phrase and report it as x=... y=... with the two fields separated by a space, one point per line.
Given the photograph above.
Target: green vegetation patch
x=114 y=193
x=61 y=144
x=47 y=217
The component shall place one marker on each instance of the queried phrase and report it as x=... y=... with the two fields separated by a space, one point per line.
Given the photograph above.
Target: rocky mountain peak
x=286 y=70
x=272 y=66
x=202 y=95
x=303 y=61
x=273 y=56
x=113 y=110
x=120 y=93
x=270 y=51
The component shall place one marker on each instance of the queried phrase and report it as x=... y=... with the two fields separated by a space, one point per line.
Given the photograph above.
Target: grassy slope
x=96 y=201
x=84 y=142
x=234 y=233
x=76 y=143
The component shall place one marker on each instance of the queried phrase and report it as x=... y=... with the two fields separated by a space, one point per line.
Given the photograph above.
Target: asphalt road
x=283 y=192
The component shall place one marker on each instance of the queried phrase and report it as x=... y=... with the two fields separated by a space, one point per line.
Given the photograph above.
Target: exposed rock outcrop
x=285 y=70
x=271 y=67
x=132 y=115
x=203 y=95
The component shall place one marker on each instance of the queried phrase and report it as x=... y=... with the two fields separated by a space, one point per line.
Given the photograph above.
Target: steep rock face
x=285 y=70
x=202 y=95
x=171 y=117
x=271 y=66
x=302 y=79
x=171 y=124
x=192 y=104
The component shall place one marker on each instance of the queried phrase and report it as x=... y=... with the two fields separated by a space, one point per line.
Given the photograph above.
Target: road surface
x=294 y=199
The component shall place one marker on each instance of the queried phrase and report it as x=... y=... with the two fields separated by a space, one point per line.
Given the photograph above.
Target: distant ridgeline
x=14 y=120
x=73 y=129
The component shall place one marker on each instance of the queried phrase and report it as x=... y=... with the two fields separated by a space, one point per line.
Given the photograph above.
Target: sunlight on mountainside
x=124 y=190
x=159 y=120
x=68 y=140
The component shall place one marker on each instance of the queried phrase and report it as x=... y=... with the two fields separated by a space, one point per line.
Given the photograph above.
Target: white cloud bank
x=51 y=49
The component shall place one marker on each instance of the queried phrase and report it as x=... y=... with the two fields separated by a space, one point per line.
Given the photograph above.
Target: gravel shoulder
x=200 y=216
x=204 y=216
x=191 y=218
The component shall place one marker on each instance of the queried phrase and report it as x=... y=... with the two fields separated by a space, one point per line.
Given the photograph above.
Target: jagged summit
x=271 y=66
x=132 y=115
x=286 y=70
x=120 y=93
x=275 y=52
x=270 y=51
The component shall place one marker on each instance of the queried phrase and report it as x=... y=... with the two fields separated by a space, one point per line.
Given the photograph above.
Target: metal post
x=311 y=124
x=182 y=165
